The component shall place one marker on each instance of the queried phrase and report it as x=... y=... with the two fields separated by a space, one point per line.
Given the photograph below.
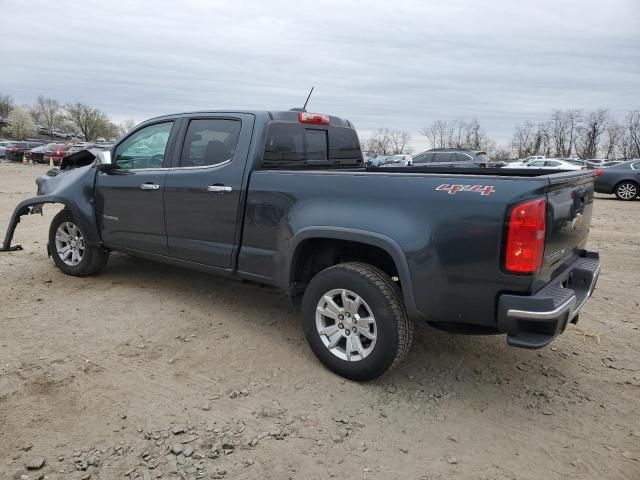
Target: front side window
x=210 y=141
x=145 y=148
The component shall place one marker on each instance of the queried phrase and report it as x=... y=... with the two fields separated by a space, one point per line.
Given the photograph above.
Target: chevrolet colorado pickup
x=283 y=199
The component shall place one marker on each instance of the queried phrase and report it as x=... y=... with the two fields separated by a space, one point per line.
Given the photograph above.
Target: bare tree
x=524 y=142
x=21 y=124
x=438 y=132
x=6 y=105
x=387 y=141
x=633 y=128
x=126 y=126
x=458 y=133
x=90 y=122
x=589 y=133
x=562 y=129
x=49 y=110
x=614 y=133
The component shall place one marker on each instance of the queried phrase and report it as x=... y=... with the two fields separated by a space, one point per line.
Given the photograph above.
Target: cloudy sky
x=379 y=63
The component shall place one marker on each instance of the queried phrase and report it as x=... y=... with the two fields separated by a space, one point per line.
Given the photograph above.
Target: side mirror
x=104 y=161
x=104 y=157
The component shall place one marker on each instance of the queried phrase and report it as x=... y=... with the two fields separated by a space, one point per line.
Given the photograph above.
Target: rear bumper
x=534 y=321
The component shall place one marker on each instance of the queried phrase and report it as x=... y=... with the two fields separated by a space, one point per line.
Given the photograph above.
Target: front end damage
x=72 y=185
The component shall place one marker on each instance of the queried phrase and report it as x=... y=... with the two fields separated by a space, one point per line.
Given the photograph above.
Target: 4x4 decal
x=484 y=190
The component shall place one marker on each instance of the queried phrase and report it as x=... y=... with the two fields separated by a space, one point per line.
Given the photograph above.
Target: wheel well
x=316 y=254
x=626 y=180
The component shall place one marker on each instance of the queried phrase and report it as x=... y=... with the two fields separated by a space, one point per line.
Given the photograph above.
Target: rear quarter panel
x=451 y=241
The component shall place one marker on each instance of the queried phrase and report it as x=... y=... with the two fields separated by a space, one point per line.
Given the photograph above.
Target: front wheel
x=70 y=250
x=355 y=321
x=626 y=191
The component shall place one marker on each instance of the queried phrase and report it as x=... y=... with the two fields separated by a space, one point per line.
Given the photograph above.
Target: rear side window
x=209 y=141
x=443 y=157
x=291 y=144
x=460 y=157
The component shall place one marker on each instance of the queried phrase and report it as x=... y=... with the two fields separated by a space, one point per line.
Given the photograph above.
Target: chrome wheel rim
x=627 y=191
x=70 y=245
x=346 y=325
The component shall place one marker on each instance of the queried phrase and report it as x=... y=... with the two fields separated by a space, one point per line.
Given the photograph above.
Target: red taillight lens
x=525 y=236
x=314 y=118
x=597 y=172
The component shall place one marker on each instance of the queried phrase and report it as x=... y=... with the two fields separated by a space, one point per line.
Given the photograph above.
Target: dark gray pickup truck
x=282 y=198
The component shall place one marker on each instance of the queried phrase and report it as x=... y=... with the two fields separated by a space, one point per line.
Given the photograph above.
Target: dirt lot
x=112 y=376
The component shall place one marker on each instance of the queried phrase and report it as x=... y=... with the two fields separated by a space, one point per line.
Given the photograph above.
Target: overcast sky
x=399 y=64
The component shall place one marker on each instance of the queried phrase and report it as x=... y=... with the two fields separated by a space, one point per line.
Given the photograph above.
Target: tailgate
x=569 y=208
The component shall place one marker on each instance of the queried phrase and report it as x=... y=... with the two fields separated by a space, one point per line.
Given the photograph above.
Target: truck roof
x=274 y=115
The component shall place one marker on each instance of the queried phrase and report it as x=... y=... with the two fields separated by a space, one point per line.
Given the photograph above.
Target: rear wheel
x=355 y=321
x=70 y=250
x=626 y=191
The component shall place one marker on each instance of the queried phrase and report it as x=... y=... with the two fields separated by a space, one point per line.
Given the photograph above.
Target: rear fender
x=74 y=188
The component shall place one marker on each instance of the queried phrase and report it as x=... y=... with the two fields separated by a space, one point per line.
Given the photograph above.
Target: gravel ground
x=150 y=371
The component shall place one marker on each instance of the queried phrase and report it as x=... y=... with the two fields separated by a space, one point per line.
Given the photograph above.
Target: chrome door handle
x=219 y=189
x=149 y=186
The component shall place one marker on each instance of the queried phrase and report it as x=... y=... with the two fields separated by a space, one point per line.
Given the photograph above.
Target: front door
x=129 y=200
x=204 y=186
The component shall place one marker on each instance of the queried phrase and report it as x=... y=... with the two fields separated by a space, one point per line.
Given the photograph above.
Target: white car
x=521 y=163
x=548 y=164
x=398 y=161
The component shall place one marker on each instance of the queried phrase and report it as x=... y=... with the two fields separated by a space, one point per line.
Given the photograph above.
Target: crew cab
x=282 y=198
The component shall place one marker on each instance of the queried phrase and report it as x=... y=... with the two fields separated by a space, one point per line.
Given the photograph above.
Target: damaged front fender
x=73 y=187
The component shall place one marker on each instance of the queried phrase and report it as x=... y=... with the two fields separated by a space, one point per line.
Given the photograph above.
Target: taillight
x=314 y=118
x=597 y=172
x=525 y=236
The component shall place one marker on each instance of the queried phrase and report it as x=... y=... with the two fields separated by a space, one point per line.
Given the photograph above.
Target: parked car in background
x=611 y=163
x=581 y=163
x=549 y=164
x=16 y=150
x=596 y=161
x=454 y=157
x=3 y=147
x=622 y=180
x=35 y=155
x=397 y=161
x=379 y=161
x=55 y=152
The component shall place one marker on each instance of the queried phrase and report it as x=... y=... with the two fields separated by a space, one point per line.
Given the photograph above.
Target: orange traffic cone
x=51 y=162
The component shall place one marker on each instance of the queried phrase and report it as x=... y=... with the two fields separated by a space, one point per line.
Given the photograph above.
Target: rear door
x=203 y=189
x=442 y=159
x=129 y=199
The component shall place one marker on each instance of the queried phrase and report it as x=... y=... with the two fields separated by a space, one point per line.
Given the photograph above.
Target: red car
x=55 y=152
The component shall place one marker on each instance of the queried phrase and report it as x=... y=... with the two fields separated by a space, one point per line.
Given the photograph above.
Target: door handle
x=219 y=188
x=149 y=186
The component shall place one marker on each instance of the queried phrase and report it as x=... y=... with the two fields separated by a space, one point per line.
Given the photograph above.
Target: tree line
x=48 y=115
x=565 y=134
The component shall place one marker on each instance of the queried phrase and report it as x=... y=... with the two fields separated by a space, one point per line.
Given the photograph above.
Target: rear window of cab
x=296 y=145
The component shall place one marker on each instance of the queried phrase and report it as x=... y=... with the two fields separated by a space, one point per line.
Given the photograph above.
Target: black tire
x=383 y=297
x=93 y=259
x=624 y=190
